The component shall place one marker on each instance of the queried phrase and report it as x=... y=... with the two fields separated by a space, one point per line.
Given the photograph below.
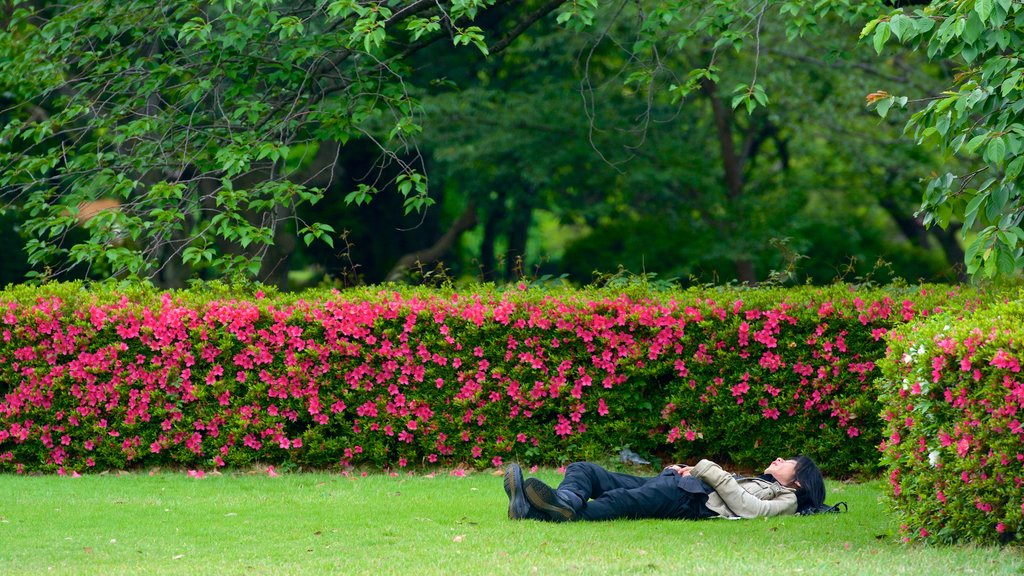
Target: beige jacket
x=744 y=497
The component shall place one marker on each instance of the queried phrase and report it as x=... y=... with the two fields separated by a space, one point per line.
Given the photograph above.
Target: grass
x=330 y=524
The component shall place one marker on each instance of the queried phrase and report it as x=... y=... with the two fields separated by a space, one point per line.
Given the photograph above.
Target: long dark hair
x=810 y=495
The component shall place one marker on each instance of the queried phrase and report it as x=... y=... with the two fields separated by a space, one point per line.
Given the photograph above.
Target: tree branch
x=530 y=20
x=434 y=253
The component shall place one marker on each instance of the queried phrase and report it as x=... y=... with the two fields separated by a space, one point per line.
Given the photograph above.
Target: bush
x=954 y=446
x=108 y=377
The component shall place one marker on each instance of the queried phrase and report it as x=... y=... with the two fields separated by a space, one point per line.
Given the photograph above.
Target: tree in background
x=226 y=130
x=210 y=123
x=648 y=176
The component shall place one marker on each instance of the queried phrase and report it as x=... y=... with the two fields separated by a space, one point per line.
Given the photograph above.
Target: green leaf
x=984 y=8
x=923 y=24
x=882 y=33
x=1010 y=84
x=196 y=28
x=1014 y=167
x=997 y=203
x=995 y=152
x=869 y=28
x=974 y=28
x=760 y=95
x=975 y=143
x=883 y=106
x=901 y=25
x=971 y=214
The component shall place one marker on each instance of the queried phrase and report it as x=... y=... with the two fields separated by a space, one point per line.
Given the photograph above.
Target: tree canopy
x=233 y=135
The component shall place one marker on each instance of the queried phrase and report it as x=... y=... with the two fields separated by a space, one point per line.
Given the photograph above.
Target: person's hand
x=680 y=469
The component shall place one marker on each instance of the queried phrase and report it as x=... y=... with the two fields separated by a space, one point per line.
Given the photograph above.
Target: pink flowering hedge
x=99 y=379
x=953 y=398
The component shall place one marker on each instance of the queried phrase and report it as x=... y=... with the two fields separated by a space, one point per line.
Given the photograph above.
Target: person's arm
x=743 y=503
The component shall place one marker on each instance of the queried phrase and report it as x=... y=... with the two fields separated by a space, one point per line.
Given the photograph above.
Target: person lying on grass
x=589 y=492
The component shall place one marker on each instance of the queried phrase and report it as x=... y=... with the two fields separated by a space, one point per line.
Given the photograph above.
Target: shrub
x=108 y=378
x=954 y=442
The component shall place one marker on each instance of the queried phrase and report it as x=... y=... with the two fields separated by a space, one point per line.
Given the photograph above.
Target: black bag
x=825 y=509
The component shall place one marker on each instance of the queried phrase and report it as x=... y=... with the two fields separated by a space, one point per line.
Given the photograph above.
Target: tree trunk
x=434 y=253
x=276 y=260
x=518 y=233
x=733 y=167
x=948 y=239
x=488 y=259
x=916 y=232
x=911 y=227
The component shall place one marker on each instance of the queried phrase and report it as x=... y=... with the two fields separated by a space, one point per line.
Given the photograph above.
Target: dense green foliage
x=706 y=142
x=203 y=120
x=105 y=379
x=981 y=114
x=954 y=401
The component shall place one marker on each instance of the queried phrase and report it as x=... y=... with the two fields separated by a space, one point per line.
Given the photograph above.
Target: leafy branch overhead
x=209 y=123
x=981 y=115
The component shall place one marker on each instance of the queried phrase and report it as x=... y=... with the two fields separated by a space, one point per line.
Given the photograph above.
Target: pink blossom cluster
x=390 y=378
x=954 y=438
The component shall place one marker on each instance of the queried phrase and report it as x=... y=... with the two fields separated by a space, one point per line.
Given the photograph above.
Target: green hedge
x=109 y=378
x=954 y=439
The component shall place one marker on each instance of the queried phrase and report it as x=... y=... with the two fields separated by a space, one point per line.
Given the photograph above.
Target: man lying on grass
x=589 y=492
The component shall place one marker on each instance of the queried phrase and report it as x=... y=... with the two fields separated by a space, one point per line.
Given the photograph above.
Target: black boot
x=560 y=505
x=518 y=507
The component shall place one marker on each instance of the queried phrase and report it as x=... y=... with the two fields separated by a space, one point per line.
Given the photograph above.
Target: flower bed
x=96 y=379
x=954 y=441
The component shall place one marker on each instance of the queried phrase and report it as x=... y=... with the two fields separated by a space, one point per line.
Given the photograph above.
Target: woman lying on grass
x=589 y=492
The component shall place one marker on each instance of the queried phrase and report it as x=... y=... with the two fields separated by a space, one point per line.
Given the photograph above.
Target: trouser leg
x=659 y=497
x=588 y=480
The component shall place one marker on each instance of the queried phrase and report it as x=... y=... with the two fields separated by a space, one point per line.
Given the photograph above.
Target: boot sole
x=517 y=505
x=542 y=497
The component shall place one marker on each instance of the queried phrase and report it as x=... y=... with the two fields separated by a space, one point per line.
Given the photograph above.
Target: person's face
x=784 y=471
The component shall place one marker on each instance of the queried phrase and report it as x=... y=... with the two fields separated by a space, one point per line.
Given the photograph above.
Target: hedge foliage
x=954 y=440
x=105 y=378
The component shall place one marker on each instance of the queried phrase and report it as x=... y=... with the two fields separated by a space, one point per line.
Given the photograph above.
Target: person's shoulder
x=766 y=483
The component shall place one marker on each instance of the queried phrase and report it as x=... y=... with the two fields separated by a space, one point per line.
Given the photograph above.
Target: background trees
x=709 y=142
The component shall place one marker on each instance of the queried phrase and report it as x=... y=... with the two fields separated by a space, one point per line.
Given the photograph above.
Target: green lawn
x=330 y=524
